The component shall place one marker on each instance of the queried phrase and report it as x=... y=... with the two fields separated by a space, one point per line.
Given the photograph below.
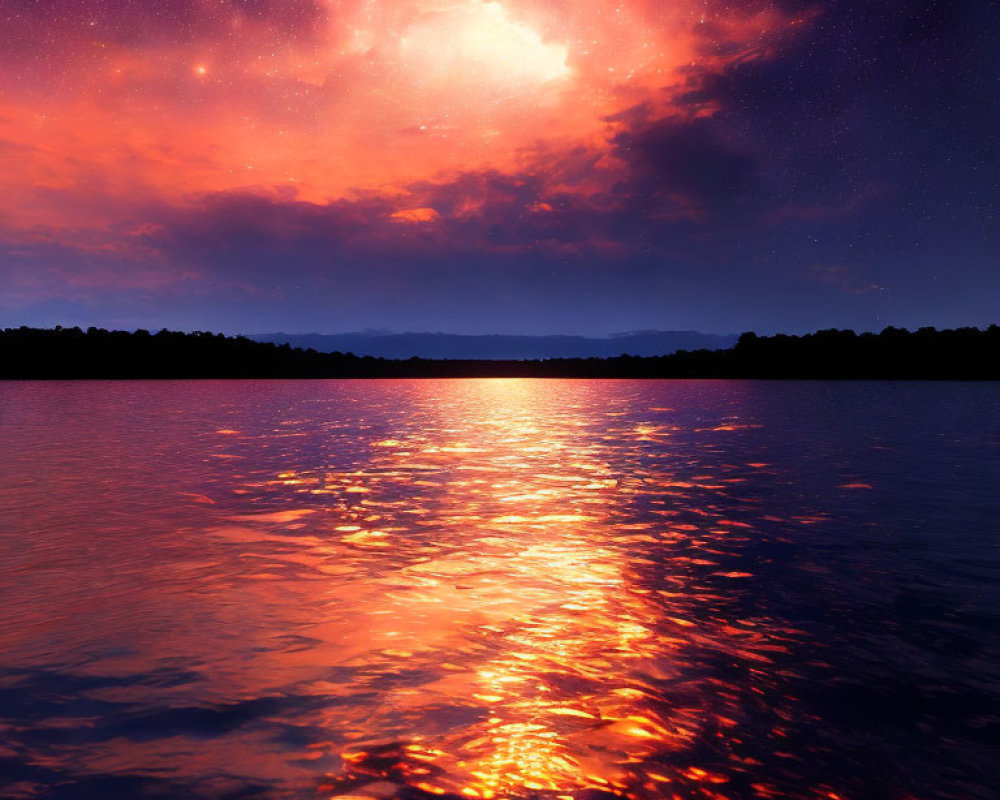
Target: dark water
x=499 y=589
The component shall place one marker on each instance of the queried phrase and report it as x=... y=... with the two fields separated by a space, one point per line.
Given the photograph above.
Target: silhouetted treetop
x=894 y=353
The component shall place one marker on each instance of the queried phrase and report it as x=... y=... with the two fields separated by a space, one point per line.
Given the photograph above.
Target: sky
x=499 y=166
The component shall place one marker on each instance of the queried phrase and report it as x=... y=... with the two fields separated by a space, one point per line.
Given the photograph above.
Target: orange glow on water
x=513 y=589
x=542 y=632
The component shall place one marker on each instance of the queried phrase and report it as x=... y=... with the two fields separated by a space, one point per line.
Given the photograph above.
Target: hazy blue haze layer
x=449 y=345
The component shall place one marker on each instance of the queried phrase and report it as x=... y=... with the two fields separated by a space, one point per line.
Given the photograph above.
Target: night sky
x=521 y=166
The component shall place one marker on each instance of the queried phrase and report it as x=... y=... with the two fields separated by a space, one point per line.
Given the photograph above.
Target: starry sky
x=499 y=166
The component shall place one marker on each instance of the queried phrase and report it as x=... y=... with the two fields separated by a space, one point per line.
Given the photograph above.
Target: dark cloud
x=902 y=95
x=685 y=164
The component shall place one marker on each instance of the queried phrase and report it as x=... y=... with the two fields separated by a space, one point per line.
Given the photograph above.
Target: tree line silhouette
x=895 y=353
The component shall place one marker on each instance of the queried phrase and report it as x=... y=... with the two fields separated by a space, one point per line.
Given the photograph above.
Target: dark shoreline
x=893 y=354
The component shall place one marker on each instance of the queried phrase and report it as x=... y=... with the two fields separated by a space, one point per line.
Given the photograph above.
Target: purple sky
x=524 y=166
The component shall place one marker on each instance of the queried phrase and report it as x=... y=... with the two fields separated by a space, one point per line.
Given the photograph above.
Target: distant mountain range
x=499 y=346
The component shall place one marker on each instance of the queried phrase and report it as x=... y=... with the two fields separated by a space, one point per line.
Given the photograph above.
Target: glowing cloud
x=415 y=215
x=356 y=96
x=404 y=124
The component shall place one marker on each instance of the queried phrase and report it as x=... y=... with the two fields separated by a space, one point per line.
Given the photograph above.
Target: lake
x=499 y=589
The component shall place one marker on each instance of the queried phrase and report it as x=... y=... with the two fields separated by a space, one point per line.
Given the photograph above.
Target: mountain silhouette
x=500 y=347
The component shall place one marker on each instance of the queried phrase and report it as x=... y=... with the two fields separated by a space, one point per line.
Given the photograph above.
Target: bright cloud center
x=478 y=42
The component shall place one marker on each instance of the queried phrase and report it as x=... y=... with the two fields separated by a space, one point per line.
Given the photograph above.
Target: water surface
x=499 y=589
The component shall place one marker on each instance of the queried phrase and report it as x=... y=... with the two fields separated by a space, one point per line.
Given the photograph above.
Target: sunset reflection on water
x=544 y=607
x=507 y=549
x=481 y=589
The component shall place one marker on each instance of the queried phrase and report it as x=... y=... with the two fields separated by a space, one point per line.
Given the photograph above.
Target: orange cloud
x=415 y=215
x=348 y=97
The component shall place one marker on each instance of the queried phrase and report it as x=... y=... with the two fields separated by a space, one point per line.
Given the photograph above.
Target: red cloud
x=330 y=99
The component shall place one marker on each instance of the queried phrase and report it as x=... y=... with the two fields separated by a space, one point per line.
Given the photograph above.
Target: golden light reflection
x=512 y=627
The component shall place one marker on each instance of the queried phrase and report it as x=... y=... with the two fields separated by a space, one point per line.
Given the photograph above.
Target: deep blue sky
x=518 y=167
